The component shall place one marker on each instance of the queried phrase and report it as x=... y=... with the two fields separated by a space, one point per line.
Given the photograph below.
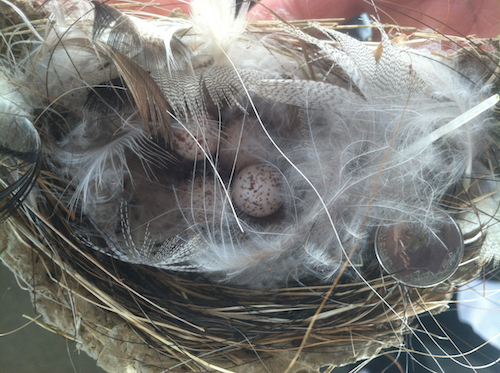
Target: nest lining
x=136 y=318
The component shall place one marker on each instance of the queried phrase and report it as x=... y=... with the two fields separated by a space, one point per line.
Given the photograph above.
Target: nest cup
x=132 y=317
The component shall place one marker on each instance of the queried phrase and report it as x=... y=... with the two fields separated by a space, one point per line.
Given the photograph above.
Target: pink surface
x=456 y=17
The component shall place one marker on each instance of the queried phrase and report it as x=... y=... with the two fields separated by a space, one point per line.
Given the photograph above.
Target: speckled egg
x=201 y=200
x=257 y=191
x=238 y=145
x=192 y=140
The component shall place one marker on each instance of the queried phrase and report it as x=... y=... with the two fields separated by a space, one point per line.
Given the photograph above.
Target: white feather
x=217 y=25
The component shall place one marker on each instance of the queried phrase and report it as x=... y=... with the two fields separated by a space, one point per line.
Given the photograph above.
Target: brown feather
x=148 y=97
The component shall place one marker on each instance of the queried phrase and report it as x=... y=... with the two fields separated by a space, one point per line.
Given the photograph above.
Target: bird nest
x=133 y=317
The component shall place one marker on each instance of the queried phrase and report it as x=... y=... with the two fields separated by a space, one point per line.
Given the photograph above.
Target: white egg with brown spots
x=194 y=141
x=201 y=200
x=239 y=144
x=256 y=190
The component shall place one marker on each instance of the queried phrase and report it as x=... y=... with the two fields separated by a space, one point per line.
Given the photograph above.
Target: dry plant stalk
x=125 y=145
